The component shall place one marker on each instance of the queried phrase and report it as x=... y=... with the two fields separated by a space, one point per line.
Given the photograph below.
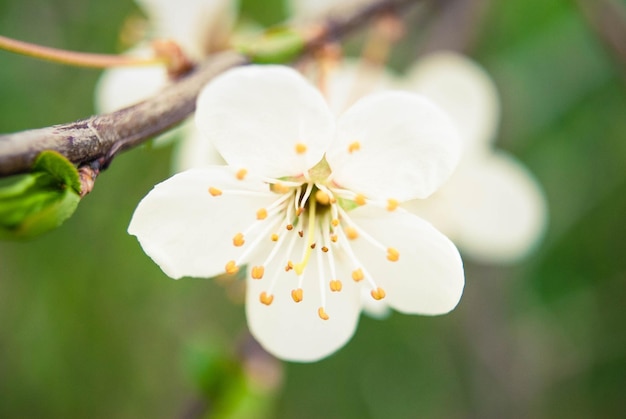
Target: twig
x=99 y=138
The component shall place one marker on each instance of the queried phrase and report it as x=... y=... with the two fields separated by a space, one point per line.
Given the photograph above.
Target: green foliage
x=276 y=45
x=41 y=200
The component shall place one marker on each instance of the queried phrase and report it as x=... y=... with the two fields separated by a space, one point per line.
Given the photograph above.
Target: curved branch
x=99 y=138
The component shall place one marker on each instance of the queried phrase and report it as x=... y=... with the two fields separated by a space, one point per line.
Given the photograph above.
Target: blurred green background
x=90 y=327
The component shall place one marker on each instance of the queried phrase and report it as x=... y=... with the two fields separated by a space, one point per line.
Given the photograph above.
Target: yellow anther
x=300 y=148
x=333 y=238
x=322 y=313
x=238 y=240
x=231 y=267
x=214 y=191
x=299 y=211
x=257 y=272
x=355 y=146
x=392 y=204
x=241 y=174
x=274 y=237
x=378 y=294
x=266 y=299
x=324 y=249
x=261 y=214
x=335 y=285
x=334 y=222
x=296 y=295
x=301 y=233
x=359 y=199
x=393 y=254
x=289 y=227
x=333 y=200
x=322 y=197
x=279 y=188
x=351 y=233
x=358 y=275
x=289 y=266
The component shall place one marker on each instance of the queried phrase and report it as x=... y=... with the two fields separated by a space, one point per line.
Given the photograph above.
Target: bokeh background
x=90 y=327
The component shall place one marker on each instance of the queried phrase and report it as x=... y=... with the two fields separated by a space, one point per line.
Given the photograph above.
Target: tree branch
x=99 y=138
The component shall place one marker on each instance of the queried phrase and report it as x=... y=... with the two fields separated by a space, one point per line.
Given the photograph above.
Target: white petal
x=464 y=90
x=120 y=87
x=495 y=208
x=194 y=150
x=352 y=79
x=198 y=26
x=294 y=331
x=257 y=115
x=408 y=147
x=427 y=279
x=186 y=230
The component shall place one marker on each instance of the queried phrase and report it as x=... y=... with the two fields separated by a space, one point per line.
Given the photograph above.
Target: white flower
x=492 y=207
x=310 y=203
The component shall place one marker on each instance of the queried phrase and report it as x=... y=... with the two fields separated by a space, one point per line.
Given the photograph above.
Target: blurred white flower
x=311 y=204
x=309 y=9
x=492 y=207
x=199 y=27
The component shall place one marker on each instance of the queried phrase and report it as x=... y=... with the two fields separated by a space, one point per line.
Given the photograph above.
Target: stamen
x=392 y=254
x=274 y=237
x=299 y=211
x=238 y=240
x=351 y=232
x=333 y=238
x=355 y=146
x=241 y=174
x=322 y=313
x=301 y=233
x=311 y=230
x=214 y=191
x=392 y=204
x=300 y=148
x=231 y=267
x=322 y=197
x=261 y=214
x=358 y=275
x=266 y=299
x=307 y=194
x=324 y=249
x=288 y=266
x=334 y=222
x=297 y=295
x=257 y=272
x=289 y=227
x=279 y=188
x=359 y=199
x=378 y=294
x=335 y=285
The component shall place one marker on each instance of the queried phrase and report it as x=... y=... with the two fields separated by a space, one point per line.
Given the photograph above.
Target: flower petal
x=120 y=87
x=294 y=331
x=462 y=89
x=495 y=208
x=194 y=150
x=427 y=278
x=407 y=147
x=198 y=26
x=186 y=230
x=268 y=119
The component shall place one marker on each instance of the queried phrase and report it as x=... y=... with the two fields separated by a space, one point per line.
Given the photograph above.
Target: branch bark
x=100 y=137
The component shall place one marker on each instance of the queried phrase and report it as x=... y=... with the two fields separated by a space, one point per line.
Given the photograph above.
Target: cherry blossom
x=310 y=204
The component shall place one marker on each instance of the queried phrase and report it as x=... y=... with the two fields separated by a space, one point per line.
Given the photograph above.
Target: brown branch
x=99 y=138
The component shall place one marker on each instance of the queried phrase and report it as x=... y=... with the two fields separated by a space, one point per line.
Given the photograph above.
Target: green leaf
x=276 y=45
x=40 y=201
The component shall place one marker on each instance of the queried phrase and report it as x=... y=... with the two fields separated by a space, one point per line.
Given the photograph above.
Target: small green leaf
x=276 y=45
x=41 y=200
x=58 y=167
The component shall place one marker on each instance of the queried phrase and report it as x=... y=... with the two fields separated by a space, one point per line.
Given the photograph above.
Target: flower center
x=310 y=212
